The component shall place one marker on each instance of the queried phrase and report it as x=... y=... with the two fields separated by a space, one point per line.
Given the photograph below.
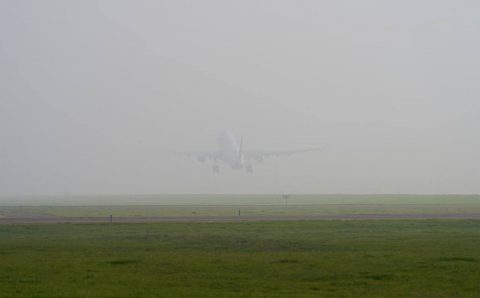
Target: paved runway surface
x=43 y=219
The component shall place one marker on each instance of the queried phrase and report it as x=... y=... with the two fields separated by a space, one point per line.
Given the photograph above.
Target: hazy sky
x=91 y=92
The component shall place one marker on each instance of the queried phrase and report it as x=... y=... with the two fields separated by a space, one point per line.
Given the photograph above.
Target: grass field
x=228 y=205
x=410 y=258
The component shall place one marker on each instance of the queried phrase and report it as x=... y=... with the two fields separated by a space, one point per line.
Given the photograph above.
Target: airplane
x=232 y=154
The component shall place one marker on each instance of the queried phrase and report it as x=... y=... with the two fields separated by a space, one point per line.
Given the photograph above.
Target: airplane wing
x=200 y=155
x=260 y=155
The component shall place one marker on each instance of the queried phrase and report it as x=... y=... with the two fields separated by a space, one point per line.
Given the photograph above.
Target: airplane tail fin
x=240 y=148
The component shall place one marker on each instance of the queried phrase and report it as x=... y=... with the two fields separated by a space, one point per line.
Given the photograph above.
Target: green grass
x=246 y=210
x=410 y=258
x=227 y=205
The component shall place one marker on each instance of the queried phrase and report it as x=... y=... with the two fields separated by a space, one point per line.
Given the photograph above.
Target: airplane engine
x=216 y=168
x=201 y=159
x=259 y=159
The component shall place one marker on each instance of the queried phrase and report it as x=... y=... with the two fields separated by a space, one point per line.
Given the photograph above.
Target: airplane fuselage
x=230 y=152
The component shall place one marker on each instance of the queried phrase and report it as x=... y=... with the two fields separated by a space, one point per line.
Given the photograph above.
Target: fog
x=94 y=93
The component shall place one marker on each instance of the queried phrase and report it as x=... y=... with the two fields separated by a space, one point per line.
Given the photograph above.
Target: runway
x=45 y=219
